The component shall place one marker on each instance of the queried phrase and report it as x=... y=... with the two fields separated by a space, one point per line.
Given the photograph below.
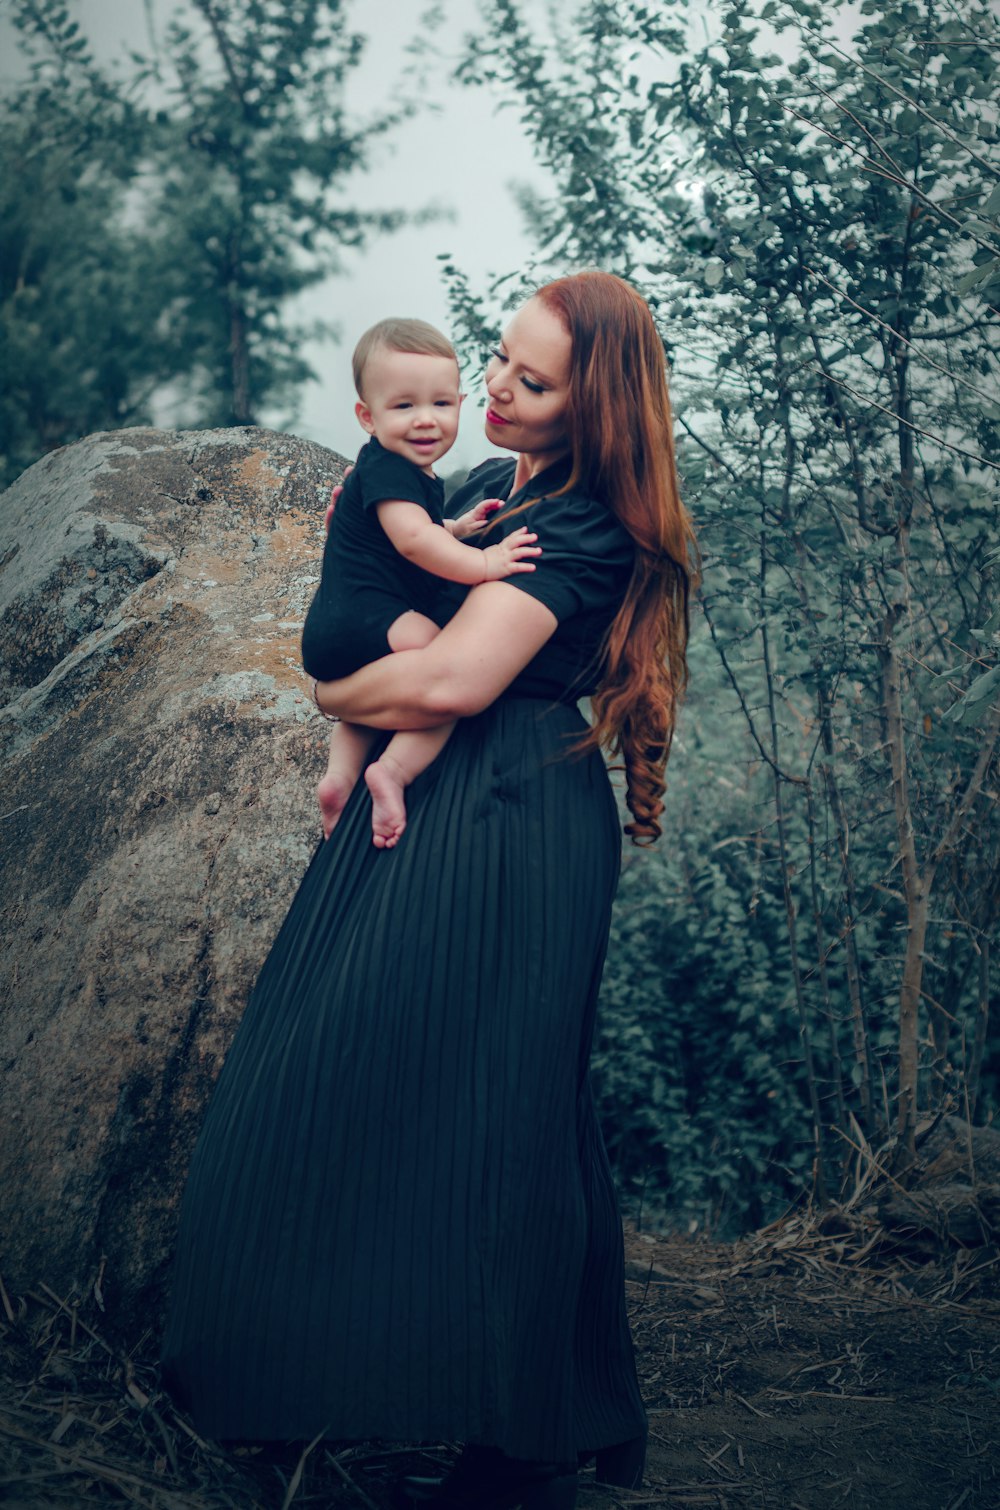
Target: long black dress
x=400 y=1221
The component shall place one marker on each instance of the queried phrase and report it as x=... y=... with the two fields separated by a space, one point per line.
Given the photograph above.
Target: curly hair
x=620 y=431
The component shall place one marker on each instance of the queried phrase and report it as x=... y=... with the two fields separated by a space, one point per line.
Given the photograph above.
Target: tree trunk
x=909 y=1020
x=241 y=412
x=849 y=912
x=916 y=888
x=239 y=359
x=982 y=1025
x=790 y=912
x=836 y=1067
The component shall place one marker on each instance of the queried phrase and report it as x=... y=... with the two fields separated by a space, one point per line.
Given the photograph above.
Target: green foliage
x=801 y=214
x=74 y=304
x=157 y=225
x=698 y=1072
x=79 y=347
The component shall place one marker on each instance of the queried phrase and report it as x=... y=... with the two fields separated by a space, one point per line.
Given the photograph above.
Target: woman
x=400 y=1220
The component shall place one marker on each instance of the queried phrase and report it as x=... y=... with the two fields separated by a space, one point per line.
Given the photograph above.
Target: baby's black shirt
x=365 y=582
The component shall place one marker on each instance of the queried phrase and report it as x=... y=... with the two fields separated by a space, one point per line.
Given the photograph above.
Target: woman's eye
x=500 y=355
x=534 y=387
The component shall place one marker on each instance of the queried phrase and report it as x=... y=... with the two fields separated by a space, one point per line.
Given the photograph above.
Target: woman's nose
x=496 y=387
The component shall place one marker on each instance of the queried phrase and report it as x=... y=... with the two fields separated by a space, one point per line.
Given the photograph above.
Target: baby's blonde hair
x=414 y=336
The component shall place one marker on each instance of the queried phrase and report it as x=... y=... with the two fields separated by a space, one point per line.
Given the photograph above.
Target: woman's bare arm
x=492 y=637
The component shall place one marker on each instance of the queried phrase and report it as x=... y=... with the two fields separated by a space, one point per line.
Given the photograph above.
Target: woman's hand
x=492 y=637
x=334 y=496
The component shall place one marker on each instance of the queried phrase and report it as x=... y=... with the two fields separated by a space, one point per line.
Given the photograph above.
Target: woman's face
x=527 y=379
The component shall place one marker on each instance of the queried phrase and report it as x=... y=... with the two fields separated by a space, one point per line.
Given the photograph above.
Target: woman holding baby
x=400 y=1221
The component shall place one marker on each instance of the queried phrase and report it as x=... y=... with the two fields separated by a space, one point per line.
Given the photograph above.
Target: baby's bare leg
x=411 y=631
x=349 y=746
x=408 y=753
x=402 y=760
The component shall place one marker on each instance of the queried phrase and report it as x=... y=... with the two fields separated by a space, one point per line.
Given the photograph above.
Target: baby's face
x=411 y=404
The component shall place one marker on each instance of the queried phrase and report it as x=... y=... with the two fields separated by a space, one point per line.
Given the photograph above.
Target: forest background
x=809 y=197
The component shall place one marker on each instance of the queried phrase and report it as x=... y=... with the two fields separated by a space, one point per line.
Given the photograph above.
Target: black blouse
x=581 y=576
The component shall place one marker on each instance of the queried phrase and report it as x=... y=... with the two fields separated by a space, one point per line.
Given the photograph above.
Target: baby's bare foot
x=388 y=805
x=332 y=794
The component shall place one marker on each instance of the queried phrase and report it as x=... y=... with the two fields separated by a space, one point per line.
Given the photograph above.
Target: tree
x=251 y=155
x=78 y=314
x=816 y=232
x=157 y=225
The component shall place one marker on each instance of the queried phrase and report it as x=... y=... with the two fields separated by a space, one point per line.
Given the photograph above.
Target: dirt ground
x=787 y=1371
x=777 y=1378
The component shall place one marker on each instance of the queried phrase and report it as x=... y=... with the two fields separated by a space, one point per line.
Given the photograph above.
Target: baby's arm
x=415 y=535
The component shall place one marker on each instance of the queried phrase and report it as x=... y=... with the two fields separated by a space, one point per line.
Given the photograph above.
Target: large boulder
x=158 y=752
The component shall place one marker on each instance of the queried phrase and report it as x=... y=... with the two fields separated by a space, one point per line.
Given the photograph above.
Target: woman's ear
x=364 y=414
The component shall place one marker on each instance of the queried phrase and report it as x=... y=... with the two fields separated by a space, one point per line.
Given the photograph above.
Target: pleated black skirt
x=400 y=1221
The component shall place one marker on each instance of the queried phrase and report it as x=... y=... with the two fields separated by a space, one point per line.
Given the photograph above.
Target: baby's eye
x=404 y=405
x=443 y=403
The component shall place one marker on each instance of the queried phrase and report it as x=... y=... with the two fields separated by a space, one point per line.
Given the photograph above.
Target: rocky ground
x=793 y=1370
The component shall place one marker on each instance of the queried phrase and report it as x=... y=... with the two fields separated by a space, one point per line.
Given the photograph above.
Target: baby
x=387 y=543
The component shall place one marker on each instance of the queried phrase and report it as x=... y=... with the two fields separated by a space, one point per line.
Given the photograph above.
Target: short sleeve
x=386 y=475
x=586 y=559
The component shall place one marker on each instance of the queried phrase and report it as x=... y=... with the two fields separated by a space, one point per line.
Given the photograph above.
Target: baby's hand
x=510 y=555
x=477 y=518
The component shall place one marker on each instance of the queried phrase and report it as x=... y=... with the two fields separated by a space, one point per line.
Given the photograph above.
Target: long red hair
x=620 y=432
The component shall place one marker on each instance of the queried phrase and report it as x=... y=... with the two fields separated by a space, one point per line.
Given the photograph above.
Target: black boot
x=483 y=1478
x=624 y=1464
